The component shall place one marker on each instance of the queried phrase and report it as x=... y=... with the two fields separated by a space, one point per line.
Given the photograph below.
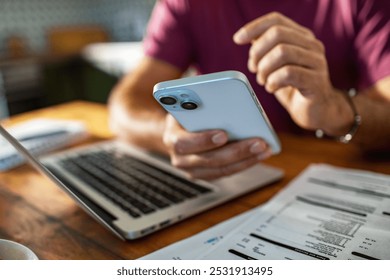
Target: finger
x=226 y=155
x=292 y=76
x=218 y=172
x=284 y=96
x=280 y=35
x=180 y=141
x=192 y=143
x=284 y=54
x=257 y=27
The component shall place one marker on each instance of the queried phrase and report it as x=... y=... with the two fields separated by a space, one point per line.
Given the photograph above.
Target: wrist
x=344 y=119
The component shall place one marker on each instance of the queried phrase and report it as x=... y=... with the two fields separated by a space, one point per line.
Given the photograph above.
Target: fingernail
x=239 y=36
x=252 y=68
x=261 y=81
x=219 y=138
x=265 y=155
x=257 y=148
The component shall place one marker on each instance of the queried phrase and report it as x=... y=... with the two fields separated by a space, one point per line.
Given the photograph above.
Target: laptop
x=133 y=192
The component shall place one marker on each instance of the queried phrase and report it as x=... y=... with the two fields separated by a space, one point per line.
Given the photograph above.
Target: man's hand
x=208 y=155
x=290 y=62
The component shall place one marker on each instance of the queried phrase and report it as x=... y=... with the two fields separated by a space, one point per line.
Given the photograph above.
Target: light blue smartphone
x=223 y=100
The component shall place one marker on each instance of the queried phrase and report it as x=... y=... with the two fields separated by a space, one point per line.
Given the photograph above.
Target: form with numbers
x=325 y=213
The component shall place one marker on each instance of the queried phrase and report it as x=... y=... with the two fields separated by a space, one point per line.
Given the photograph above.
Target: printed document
x=327 y=212
x=195 y=246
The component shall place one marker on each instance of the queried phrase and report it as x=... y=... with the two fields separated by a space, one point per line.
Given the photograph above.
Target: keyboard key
x=135 y=186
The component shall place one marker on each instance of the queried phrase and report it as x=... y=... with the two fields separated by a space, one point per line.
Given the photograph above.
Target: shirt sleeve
x=372 y=42
x=168 y=37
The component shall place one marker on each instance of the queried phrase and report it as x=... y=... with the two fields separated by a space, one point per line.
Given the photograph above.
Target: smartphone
x=223 y=100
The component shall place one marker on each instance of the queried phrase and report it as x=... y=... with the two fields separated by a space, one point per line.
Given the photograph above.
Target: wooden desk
x=37 y=213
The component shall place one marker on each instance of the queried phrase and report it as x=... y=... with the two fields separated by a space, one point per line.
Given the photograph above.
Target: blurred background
x=55 y=51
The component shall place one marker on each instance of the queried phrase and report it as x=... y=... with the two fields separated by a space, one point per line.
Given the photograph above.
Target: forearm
x=134 y=114
x=136 y=125
x=374 y=132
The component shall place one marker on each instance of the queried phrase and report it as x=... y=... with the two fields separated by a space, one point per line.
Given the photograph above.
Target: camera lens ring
x=189 y=105
x=168 y=100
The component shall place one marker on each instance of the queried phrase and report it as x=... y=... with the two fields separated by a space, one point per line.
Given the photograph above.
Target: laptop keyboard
x=137 y=187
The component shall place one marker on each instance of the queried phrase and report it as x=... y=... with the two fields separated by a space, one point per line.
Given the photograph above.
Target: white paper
x=325 y=213
x=40 y=136
x=194 y=247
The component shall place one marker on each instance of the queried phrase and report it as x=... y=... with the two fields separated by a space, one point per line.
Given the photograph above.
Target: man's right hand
x=208 y=155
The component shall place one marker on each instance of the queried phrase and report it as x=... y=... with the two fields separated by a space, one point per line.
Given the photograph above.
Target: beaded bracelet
x=357 y=120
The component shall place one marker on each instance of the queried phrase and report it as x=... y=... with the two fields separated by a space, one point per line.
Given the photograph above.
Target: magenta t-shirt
x=199 y=33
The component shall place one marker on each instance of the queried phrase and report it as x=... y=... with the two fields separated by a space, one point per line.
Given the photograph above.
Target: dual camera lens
x=186 y=104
